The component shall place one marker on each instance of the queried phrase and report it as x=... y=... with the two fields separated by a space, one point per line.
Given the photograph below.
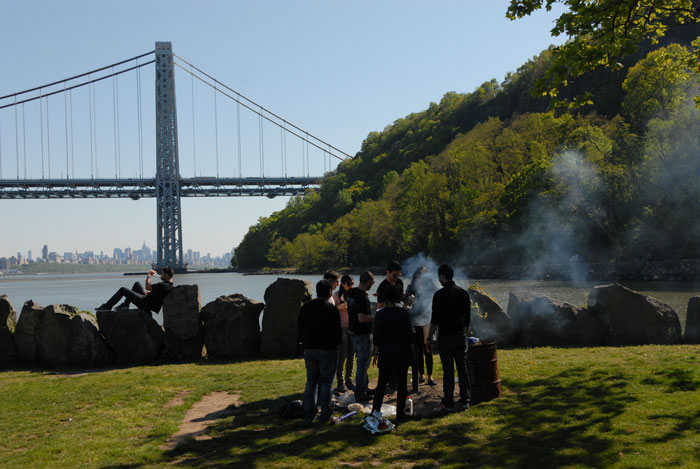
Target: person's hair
x=393 y=265
x=345 y=279
x=422 y=270
x=446 y=271
x=366 y=276
x=392 y=294
x=331 y=275
x=168 y=270
x=323 y=288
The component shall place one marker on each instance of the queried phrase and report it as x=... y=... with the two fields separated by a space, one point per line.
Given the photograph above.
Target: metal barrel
x=482 y=363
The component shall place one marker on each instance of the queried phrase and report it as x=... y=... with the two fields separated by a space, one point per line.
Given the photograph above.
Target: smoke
x=558 y=224
x=425 y=284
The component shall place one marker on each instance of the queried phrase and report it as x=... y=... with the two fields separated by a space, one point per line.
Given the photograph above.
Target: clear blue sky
x=337 y=69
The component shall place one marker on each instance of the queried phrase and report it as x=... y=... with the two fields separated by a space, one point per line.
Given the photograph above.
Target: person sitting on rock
x=150 y=299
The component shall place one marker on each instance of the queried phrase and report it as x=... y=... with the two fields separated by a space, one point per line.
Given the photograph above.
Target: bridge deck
x=138 y=188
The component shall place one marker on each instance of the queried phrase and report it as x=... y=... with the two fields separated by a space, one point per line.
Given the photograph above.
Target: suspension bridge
x=63 y=103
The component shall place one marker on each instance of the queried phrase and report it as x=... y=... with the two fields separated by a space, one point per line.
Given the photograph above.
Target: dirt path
x=212 y=407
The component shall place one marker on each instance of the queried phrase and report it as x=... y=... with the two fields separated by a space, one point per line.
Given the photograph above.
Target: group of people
x=338 y=327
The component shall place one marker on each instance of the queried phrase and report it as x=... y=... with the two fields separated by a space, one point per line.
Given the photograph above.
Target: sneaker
x=349 y=385
x=341 y=389
x=122 y=306
x=421 y=380
x=366 y=397
x=103 y=307
x=463 y=405
x=431 y=382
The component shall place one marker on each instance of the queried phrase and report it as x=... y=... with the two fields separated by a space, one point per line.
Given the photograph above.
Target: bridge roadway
x=138 y=188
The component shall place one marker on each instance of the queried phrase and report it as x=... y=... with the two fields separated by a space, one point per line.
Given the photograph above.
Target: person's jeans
x=363 y=350
x=453 y=351
x=320 y=369
x=134 y=295
x=421 y=354
x=346 y=354
x=385 y=375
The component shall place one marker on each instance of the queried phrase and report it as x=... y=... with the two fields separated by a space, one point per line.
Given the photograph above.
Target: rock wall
x=231 y=326
x=8 y=322
x=283 y=299
x=182 y=323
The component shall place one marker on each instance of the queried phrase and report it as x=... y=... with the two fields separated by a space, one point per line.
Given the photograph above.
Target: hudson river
x=86 y=291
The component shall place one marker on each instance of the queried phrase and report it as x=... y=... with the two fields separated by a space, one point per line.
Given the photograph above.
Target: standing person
x=451 y=310
x=393 y=274
x=332 y=276
x=422 y=288
x=346 y=353
x=360 y=329
x=319 y=333
x=150 y=299
x=393 y=344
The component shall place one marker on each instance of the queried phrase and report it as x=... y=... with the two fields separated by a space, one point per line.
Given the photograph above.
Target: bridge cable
x=72 y=141
x=24 y=142
x=0 y=149
x=194 y=145
x=262 y=146
x=114 y=126
x=140 y=118
x=41 y=134
x=263 y=116
x=16 y=140
x=216 y=132
x=92 y=169
x=238 y=130
x=284 y=166
x=48 y=137
x=78 y=85
x=119 y=134
x=78 y=76
x=94 y=115
x=264 y=109
x=65 y=120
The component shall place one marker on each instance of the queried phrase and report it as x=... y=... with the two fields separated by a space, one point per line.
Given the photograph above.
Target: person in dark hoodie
x=319 y=334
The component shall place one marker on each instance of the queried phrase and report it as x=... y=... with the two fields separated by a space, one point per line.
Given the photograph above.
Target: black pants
x=453 y=351
x=421 y=353
x=135 y=295
x=385 y=374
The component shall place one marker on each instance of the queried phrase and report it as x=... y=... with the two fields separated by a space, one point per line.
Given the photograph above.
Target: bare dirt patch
x=212 y=407
x=177 y=400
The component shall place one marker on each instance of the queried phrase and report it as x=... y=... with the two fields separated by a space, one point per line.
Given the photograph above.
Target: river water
x=87 y=291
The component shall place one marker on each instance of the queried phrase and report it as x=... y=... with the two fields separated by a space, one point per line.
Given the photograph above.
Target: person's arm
x=364 y=316
x=433 y=324
x=151 y=273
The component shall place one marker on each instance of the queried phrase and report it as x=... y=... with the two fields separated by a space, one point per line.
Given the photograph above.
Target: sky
x=339 y=70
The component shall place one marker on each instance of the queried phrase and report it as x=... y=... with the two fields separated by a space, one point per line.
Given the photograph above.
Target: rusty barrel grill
x=482 y=363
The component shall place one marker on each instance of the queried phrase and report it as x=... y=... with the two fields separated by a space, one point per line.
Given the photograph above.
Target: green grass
x=599 y=407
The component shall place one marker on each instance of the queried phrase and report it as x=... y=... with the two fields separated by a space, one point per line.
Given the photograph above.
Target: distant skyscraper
x=29 y=255
x=45 y=252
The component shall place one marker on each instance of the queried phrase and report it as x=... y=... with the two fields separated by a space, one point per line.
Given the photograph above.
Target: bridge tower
x=167 y=163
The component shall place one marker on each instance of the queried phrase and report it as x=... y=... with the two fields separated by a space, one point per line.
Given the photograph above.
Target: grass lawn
x=599 y=407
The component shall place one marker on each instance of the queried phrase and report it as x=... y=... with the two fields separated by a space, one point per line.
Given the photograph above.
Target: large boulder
x=488 y=320
x=283 y=300
x=25 y=332
x=133 y=335
x=692 y=321
x=231 y=326
x=182 y=323
x=541 y=321
x=632 y=318
x=8 y=322
x=66 y=338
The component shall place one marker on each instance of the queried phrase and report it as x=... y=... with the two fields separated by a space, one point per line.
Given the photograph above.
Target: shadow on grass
x=565 y=419
x=674 y=380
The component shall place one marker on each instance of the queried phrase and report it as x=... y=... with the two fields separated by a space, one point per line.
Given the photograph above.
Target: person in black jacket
x=150 y=299
x=393 y=347
x=319 y=333
x=451 y=314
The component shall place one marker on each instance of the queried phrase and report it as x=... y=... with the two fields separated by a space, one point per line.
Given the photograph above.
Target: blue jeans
x=363 y=350
x=320 y=371
x=453 y=351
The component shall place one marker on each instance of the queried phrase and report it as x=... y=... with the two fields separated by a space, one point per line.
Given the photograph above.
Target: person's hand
x=151 y=273
x=374 y=360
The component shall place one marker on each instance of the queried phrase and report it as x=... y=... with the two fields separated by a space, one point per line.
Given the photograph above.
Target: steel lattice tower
x=167 y=162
